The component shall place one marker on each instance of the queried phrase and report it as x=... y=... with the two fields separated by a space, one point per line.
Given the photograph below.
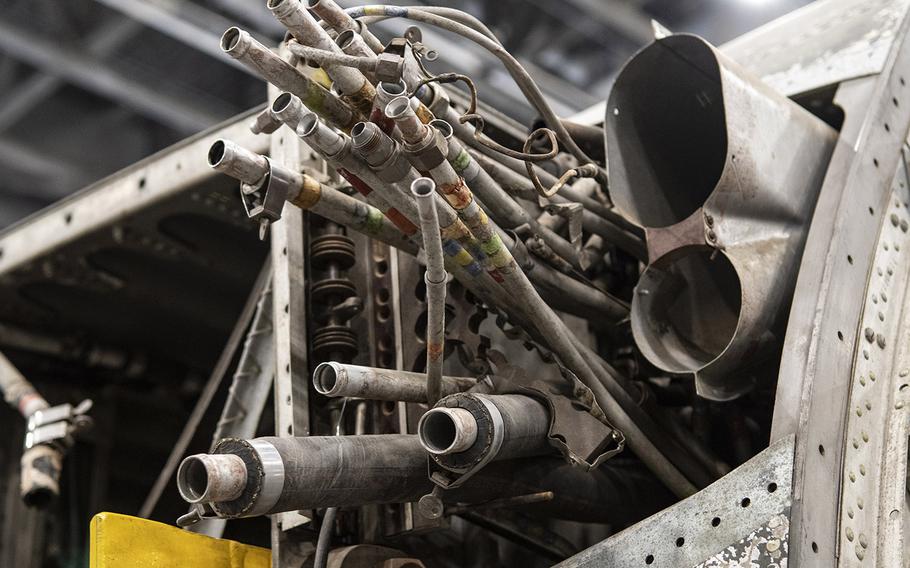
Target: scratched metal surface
x=821 y=44
x=736 y=511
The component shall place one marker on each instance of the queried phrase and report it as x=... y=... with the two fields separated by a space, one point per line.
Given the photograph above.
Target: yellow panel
x=121 y=540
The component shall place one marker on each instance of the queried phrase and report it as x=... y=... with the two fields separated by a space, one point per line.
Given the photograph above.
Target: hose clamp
x=272 y=477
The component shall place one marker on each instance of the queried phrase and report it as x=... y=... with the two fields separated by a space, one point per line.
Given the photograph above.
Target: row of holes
x=715 y=522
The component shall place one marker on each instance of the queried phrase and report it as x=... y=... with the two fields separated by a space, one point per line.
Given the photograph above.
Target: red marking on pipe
x=434 y=350
x=496 y=275
x=384 y=123
x=400 y=221
x=357 y=183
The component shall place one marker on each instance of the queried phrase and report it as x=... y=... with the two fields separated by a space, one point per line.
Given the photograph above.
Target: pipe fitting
x=321 y=135
x=237 y=162
x=444 y=431
x=399 y=109
x=429 y=152
x=342 y=380
x=205 y=478
x=289 y=109
x=382 y=153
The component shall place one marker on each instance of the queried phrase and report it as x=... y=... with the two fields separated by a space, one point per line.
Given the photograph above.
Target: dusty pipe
x=335 y=16
x=242 y=47
x=446 y=431
x=204 y=478
x=336 y=148
x=499 y=427
x=353 y=43
x=726 y=218
x=239 y=163
x=265 y=200
x=304 y=27
x=435 y=278
x=17 y=391
x=343 y=380
x=289 y=474
x=503 y=208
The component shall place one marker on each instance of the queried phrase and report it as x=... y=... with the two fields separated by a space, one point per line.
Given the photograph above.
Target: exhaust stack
x=723 y=173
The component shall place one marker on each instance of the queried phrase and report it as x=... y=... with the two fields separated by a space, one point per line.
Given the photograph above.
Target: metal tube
x=467 y=429
x=241 y=46
x=329 y=58
x=445 y=431
x=335 y=16
x=353 y=43
x=18 y=391
x=435 y=277
x=203 y=478
x=237 y=162
x=343 y=380
x=307 y=31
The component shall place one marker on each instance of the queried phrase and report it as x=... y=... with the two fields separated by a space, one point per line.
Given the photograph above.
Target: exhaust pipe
x=723 y=173
x=465 y=431
x=342 y=380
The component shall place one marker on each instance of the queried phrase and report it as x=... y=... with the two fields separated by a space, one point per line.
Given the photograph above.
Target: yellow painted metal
x=122 y=540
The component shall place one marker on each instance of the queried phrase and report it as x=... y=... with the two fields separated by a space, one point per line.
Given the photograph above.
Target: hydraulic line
x=339 y=20
x=241 y=46
x=435 y=278
x=349 y=81
x=341 y=380
x=307 y=193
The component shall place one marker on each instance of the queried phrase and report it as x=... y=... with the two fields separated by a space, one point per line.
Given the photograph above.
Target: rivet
x=895 y=220
x=863 y=541
x=886 y=247
x=881 y=316
x=872 y=376
x=850 y=512
x=890 y=270
x=904 y=372
x=899 y=405
x=855 y=444
x=859 y=503
x=874 y=298
x=865 y=437
x=862 y=470
x=878 y=270
x=850 y=534
x=880 y=340
x=862 y=381
x=868 y=405
x=712 y=236
x=865 y=354
x=709 y=219
x=860 y=553
x=869 y=333
x=859 y=412
x=884 y=297
x=852 y=477
x=904 y=226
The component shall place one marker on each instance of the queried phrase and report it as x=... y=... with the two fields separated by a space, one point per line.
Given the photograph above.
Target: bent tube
x=241 y=46
x=435 y=277
x=342 y=380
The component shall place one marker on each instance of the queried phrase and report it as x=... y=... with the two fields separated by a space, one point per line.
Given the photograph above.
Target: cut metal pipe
x=447 y=431
x=435 y=278
x=238 y=162
x=339 y=20
x=314 y=472
x=204 y=478
x=289 y=474
x=499 y=427
x=343 y=380
x=240 y=45
x=304 y=27
x=265 y=200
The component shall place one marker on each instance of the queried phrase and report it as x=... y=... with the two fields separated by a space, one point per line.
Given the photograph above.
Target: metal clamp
x=58 y=424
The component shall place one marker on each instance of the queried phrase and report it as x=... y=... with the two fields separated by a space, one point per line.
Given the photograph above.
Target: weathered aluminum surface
x=765 y=547
x=752 y=499
x=726 y=217
x=142 y=245
x=821 y=44
x=826 y=326
x=874 y=461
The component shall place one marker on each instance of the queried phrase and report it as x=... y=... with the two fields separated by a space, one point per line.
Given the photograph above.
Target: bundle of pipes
x=262 y=476
x=381 y=160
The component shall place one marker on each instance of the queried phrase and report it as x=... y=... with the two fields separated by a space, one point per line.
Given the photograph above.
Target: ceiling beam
x=53 y=177
x=29 y=94
x=178 y=113
x=622 y=16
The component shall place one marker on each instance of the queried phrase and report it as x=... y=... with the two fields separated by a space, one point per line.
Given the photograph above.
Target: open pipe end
x=444 y=431
x=443 y=127
x=308 y=124
x=217 y=152
x=326 y=378
x=231 y=39
x=282 y=102
x=398 y=107
x=391 y=90
x=345 y=38
x=207 y=478
x=423 y=187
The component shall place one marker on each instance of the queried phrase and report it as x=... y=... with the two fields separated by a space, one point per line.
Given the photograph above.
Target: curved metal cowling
x=723 y=173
